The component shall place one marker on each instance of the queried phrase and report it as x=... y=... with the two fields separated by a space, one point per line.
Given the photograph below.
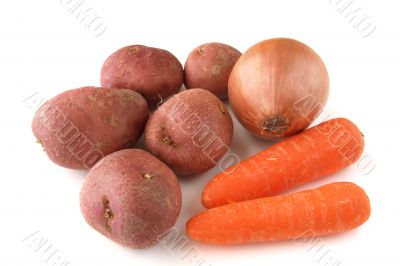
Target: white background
x=45 y=49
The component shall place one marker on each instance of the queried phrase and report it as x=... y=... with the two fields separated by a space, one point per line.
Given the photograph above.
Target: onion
x=278 y=87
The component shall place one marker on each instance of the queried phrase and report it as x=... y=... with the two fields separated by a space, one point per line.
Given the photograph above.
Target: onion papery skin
x=278 y=87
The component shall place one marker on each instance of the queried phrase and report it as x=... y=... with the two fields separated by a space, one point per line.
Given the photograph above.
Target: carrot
x=326 y=210
x=314 y=153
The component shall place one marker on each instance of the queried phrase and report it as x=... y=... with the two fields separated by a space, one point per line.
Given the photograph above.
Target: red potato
x=190 y=132
x=131 y=197
x=209 y=66
x=80 y=126
x=153 y=72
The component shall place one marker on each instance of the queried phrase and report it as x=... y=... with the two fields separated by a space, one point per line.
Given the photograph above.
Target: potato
x=153 y=72
x=209 y=66
x=190 y=132
x=80 y=126
x=131 y=197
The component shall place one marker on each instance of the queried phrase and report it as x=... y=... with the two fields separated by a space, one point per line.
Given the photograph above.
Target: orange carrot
x=326 y=210
x=314 y=153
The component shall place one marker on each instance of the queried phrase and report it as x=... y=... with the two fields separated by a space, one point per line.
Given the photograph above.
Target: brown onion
x=278 y=87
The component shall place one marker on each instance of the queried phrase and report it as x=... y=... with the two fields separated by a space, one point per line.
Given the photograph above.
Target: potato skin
x=131 y=197
x=80 y=126
x=209 y=66
x=190 y=132
x=153 y=72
